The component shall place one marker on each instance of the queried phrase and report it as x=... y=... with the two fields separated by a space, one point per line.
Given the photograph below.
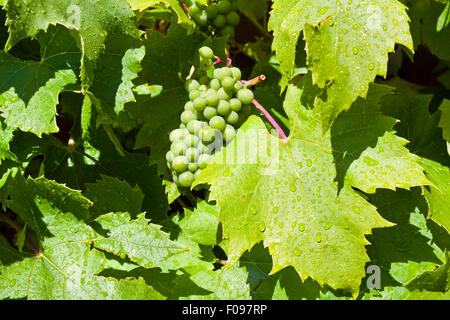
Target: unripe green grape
x=207 y=135
x=223 y=108
x=236 y=73
x=203 y=149
x=212 y=11
x=189 y=106
x=206 y=52
x=192 y=154
x=192 y=84
x=197 y=173
x=187 y=116
x=193 y=10
x=239 y=86
x=203 y=88
x=209 y=112
x=210 y=90
x=235 y=104
x=224 y=6
x=214 y=83
x=228 y=83
x=178 y=148
x=194 y=126
x=212 y=99
x=229 y=133
x=192 y=167
x=227 y=31
x=169 y=156
x=186 y=178
x=203 y=160
x=220 y=74
x=191 y=140
x=200 y=18
x=223 y=95
x=169 y=165
x=180 y=164
x=232 y=18
x=177 y=134
x=182 y=126
x=219 y=21
x=245 y=95
x=233 y=117
x=175 y=179
x=217 y=122
x=199 y=104
x=204 y=80
x=194 y=94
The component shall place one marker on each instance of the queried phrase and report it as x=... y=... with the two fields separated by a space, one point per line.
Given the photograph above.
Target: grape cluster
x=217 y=107
x=220 y=17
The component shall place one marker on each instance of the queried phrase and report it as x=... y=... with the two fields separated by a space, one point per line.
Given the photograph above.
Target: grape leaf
x=444 y=123
x=427 y=295
x=424 y=18
x=6 y=135
x=8 y=254
x=347 y=44
x=201 y=224
x=94 y=22
x=182 y=17
x=171 y=190
x=113 y=195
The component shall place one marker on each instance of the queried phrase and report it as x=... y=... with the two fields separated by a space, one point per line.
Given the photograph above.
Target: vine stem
x=16 y=227
x=254 y=81
x=271 y=120
x=229 y=61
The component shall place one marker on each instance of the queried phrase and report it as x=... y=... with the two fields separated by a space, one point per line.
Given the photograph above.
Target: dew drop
x=253 y=210
x=356 y=209
x=275 y=209
x=355 y=50
x=318 y=237
x=301 y=227
x=309 y=162
x=371 y=66
x=262 y=227
x=292 y=187
x=297 y=251
x=328 y=226
x=227 y=172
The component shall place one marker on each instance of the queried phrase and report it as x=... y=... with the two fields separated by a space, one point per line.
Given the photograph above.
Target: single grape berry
x=228 y=83
x=194 y=126
x=233 y=117
x=207 y=135
x=236 y=73
x=224 y=6
x=192 y=84
x=212 y=11
x=223 y=108
x=206 y=52
x=245 y=95
x=187 y=116
x=214 y=83
x=203 y=160
x=209 y=112
x=192 y=154
x=193 y=10
x=180 y=164
x=204 y=80
x=191 y=140
x=218 y=123
x=189 y=106
x=220 y=21
x=220 y=73
x=186 y=178
x=227 y=31
x=238 y=86
x=194 y=94
x=212 y=99
x=228 y=134
x=201 y=18
x=199 y=104
x=203 y=88
x=232 y=18
x=223 y=95
x=177 y=134
x=178 y=148
x=203 y=149
x=192 y=167
x=169 y=156
x=235 y=104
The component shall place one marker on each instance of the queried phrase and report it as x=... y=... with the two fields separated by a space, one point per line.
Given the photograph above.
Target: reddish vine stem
x=254 y=81
x=271 y=120
x=223 y=59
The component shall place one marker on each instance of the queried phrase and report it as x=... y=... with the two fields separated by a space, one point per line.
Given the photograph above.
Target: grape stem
x=254 y=81
x=271 y=120
x=223 y=59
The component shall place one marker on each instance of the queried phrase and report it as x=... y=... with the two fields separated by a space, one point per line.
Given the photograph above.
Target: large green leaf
x=347 y=44
x=93 y=20
x=286 y=196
